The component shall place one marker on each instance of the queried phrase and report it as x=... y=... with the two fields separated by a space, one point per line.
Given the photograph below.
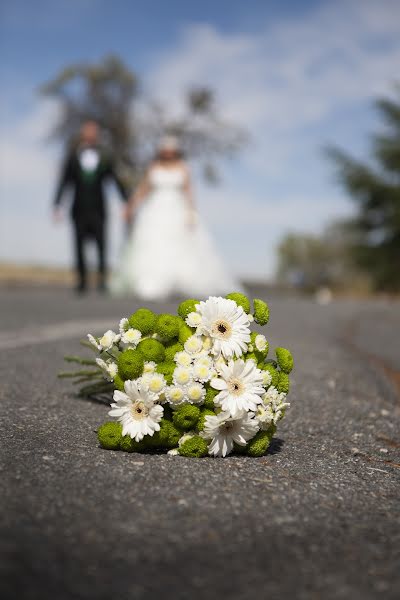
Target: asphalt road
x=317 y=518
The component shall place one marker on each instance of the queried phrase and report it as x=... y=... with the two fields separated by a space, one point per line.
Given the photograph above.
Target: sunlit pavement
x=318 y=517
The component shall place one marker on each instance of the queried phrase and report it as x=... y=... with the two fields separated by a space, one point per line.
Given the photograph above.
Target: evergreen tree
x=376 y=190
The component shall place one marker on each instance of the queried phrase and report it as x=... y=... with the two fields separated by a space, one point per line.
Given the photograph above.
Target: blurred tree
x=376 y=190
x=111 y=94
x=309 y=261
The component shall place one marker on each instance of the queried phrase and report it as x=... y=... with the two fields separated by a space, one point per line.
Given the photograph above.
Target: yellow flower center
x=139 y=410
x=221 y=329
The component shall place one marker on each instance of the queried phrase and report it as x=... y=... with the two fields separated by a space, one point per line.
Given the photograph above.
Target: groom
x=86 y=170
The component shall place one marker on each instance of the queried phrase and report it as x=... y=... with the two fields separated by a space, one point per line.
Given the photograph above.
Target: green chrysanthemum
x=186 y=416
x=185 y=332
x=283 y=382
x=152 y=350
x=285 y=359
x=186 y=307
x=171 y=350
x=195 y=447
x=241 y=300
x=130 y=364
x=209 y=397
x=258 y=445
x=167 y=369
x=167 y=327
x=160 y=438
x=127 y=444
x=203 y=414
x=119 y=383
x=174 y=435
x=274 y=373
x=110 y=435
x=144 y=320
x=261 y=311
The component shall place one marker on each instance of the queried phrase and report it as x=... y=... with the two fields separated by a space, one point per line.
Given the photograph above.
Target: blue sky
x=296 y=74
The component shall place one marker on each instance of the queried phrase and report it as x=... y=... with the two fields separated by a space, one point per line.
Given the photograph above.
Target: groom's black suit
x=88 y=209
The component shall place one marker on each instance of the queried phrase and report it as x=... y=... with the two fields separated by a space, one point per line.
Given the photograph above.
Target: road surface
x=317 y=518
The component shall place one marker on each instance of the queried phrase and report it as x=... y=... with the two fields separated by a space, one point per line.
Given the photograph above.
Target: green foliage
x=283 y=382
x=152 y=350
x=110 y=435
x=167 y=369
x=109 y=93
x=241 y=300
x=130 y=364
x=258 y=445
x=160 y=439
x=185 y=332
x=171 y=349
x=185 y=417
x=274 y=373
x=127 y=444
x=375 y=189
x=285 y=359
x=167 y=327
x=209 y=397
x=186 y=307
x=144 y=320
x=261 y=311
x=119 y=383
x=204 y=412
x=195 y=447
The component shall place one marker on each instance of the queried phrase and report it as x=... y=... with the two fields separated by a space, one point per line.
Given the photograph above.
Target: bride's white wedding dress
x=162 y=255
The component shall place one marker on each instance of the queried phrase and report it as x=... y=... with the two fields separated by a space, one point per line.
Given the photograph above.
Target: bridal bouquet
x=197 y=383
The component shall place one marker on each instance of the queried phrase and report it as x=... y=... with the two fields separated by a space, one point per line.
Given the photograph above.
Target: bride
x=168 y=251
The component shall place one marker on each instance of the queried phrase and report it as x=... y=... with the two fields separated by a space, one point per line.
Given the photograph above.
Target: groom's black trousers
x=86 y=230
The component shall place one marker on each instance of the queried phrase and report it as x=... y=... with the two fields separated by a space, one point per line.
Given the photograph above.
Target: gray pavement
x=318 y=517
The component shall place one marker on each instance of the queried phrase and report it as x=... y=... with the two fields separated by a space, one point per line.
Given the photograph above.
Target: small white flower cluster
x=221 y=355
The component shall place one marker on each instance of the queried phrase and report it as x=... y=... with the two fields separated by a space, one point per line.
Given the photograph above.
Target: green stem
x=79 y=360
x=81 y=373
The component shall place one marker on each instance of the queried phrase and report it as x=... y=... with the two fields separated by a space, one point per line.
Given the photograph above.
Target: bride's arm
x=138 y=196
x=191 y=212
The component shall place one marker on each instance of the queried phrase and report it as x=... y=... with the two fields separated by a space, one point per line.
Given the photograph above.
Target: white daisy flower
x=201 y=372
x=193 y=319
x=260 y=342
x=207 y=343
x=241 y=388
x=131 y=336
x=149 y=367
x=182 y=375
x=219 y=364
x=107 y=340
x=227 y=324
x=194 y=344
x=94 y=342
x=264 y=415
x=136 y=410
x=267 y=378
x=195 y=393
x=274 y=405
x=123 y=325
x=175 y=395
x=224 y=429
x=155 y=383
x=204 y=360
x=110 y=368
x=183 y=359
